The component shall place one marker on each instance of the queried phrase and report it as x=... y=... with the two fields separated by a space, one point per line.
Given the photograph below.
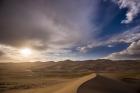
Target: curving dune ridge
x=68 y=87
x=73 y=86
x=101 y=84
x=88 y=84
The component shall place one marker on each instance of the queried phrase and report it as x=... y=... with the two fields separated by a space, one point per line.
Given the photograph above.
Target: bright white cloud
x=133 y=9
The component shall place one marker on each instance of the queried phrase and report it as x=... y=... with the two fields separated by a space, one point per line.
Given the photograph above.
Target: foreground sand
x=68 y=87
x=88 y=84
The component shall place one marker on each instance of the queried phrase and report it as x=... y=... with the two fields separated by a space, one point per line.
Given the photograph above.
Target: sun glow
x=25 y=52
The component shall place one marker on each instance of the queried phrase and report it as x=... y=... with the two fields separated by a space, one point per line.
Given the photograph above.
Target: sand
x=88 y=84
x=73 y=86
x=68 y=87
x=101 y=84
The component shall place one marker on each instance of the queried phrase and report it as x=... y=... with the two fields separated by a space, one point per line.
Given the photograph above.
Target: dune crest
x=73 y=86
x=101 y=84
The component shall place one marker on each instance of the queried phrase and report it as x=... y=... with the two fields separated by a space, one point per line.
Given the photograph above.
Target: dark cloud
x=17 y=28
x=1 y=53
x=44 y=23
x=21 y=37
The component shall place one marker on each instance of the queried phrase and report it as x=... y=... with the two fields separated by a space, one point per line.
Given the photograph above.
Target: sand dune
x=68 y=87
x=88 y=84
x=73 y=86
x=101 y=84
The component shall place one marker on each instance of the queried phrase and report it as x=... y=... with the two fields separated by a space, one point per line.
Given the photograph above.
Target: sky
x=69 y=29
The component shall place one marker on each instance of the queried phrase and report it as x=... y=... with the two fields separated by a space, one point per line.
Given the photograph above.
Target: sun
x=26 y=52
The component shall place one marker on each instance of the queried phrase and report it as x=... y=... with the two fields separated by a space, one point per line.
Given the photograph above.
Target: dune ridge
x=101 y=84
x=92 y=83
x=73 y=86
x=68 y=87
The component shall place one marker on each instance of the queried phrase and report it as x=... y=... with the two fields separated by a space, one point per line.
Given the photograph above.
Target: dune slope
x=101 y=84
x=73 y=86
x=68 y=87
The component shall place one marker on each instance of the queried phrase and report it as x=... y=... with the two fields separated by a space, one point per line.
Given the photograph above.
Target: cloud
x=133 y=9
x=4 y=54
x=45 y=24
x=82 y=49
x=110 y=46
x=129 y=36
x=58 y=28
x=132 y=52
x=12 y=54
x=1 y=53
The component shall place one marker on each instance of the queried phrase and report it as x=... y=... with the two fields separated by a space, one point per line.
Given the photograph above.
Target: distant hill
x=101 y=65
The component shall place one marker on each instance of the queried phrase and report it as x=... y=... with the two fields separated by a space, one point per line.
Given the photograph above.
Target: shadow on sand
x=101 y=84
